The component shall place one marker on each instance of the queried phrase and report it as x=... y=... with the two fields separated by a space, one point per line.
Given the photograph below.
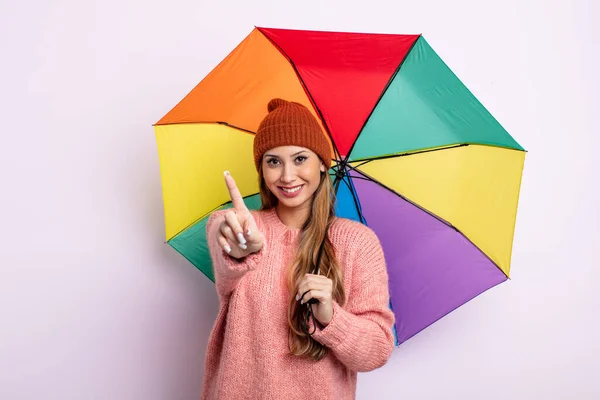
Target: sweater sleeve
x=228 y=270
x=360 y=334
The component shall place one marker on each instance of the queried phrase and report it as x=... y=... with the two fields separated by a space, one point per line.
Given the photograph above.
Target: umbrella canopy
x=418 y=158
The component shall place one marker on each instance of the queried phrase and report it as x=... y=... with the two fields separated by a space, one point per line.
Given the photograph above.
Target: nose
x=288 y=174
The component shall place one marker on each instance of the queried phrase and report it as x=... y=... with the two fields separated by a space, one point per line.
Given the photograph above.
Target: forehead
x=286 y=151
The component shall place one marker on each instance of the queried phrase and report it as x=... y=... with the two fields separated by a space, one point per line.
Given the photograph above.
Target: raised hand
x=238 y=234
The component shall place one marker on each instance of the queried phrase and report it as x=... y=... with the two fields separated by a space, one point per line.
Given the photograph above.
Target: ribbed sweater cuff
x=236 y=266
x=337 y=330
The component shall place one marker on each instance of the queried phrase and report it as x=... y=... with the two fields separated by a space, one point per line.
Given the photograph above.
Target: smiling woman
x=292 y=174
x=300 y=289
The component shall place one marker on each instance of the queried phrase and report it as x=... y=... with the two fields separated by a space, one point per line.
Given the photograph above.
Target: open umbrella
x=418 y=158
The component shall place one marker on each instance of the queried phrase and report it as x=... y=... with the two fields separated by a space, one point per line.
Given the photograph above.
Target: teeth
x=291 y=190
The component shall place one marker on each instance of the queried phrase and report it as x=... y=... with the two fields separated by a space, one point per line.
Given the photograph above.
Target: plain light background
x=94 y=305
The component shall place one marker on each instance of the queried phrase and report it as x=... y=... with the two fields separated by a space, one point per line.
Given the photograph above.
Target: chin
x=291 y=203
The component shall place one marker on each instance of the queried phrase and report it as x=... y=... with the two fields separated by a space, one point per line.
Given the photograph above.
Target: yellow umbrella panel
x=192 y=160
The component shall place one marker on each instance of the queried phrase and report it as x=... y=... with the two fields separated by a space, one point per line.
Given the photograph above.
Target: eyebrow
x=295 y=154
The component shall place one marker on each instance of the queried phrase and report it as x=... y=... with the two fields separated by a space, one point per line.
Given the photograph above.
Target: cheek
x=313 y=177
x=313 y=173
x=270 y=177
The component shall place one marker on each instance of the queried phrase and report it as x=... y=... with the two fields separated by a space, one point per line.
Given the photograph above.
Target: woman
x=284 y=331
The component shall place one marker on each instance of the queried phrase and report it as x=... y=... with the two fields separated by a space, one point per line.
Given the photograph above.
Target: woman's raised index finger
x=234 y=193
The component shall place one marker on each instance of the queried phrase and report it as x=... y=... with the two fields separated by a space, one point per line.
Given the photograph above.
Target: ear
x=322 y=167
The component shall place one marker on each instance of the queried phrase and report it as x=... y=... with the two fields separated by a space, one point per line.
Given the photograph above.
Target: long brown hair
x=312 y=234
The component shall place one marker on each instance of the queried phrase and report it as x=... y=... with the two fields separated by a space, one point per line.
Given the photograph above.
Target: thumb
x=251 y=229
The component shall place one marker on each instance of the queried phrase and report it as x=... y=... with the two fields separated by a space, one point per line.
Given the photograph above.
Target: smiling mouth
x=291 y=189
x=290 y=192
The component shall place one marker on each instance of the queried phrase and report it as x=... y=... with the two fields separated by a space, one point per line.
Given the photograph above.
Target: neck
x=293 y=218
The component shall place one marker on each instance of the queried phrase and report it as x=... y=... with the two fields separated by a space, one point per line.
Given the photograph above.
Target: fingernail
x=243 y=246
x=241 y=238
x=297 y=297
x=226 y=173
x=227 y=249
x=249 y=232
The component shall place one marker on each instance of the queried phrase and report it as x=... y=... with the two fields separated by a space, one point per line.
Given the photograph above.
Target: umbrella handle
x=316 y=271
x=308 y=314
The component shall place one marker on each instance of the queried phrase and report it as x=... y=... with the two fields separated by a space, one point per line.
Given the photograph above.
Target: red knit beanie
x=290 y=124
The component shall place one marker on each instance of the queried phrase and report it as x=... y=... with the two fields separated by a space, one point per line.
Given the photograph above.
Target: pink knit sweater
x=248 y=355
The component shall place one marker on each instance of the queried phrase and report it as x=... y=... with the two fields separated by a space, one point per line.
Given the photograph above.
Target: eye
x=301 y=159
x=272 y=161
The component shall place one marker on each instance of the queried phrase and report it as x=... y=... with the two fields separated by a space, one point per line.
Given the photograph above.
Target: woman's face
x=292 y=174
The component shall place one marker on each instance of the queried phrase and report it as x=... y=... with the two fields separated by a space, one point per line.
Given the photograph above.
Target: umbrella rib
x=356 y=177
x=307 y=92
x=363 y=161
x=212 y=123
x=396 y=72
x=430 y=213
x=369 y=178
x=235 y=127
x=356 y=202
x=368 y=160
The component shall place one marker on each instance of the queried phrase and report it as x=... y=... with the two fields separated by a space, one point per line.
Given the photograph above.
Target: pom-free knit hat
x=290 y=124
